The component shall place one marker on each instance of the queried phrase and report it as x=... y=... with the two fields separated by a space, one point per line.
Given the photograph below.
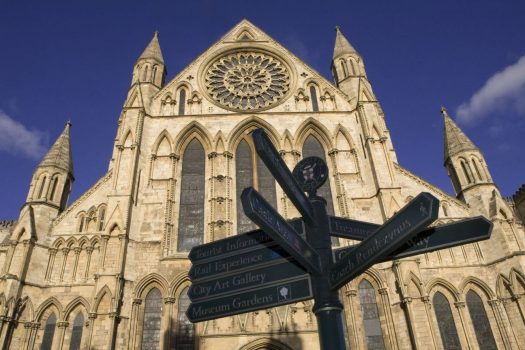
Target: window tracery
x=370 y=313
x=446 y=324
x=185 y=333
x=480 y=321
x=152 y=320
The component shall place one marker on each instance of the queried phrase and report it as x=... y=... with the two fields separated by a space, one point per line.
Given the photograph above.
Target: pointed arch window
x=446 y=324
x=152 y=319
x=76 y=333
x=353 y=69
x=53 y=188
x=41 y=190
x=251 y=171
x=101 y=217
x=344 y=69
x=182 y=101
x=81 y=223
x=191 y=212
x=154 y=75
x=474 y=163
x=49 y=332
x=480 y=322
x=313 y=97
x=371 y=322
x=466 y=171
x=145 y=75
x=185 y=336
x=313 y=148
x=65 y=194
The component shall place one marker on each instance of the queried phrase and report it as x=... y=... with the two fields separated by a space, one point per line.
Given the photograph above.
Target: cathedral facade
x=110 y=270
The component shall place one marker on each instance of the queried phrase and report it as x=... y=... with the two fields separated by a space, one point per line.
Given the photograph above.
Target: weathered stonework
x=112 y=266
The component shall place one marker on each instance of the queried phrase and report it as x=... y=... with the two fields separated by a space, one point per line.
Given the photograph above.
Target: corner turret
x=149 y=68
x=53 y=177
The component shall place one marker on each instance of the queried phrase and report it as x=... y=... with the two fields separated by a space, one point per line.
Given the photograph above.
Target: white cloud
x=504 y=91
x=15 y=138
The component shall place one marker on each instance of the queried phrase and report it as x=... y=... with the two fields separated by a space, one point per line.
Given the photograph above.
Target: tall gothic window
x=466 y=171
x=371 y=323
x=313 y=97
x=76 y=333
x=446 y=324
x=313 y=148
x=152 y=318
x=182 y=101
x=251 y=171
x=185 y=336
x=191 y=212
x=480 y=322
x=476 y=168
x=49 y=332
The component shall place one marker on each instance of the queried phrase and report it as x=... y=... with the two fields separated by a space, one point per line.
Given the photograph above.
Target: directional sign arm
x=282 y=174
x=261 y=212
x=351 y=229
x=435 y=238
x=404 y=225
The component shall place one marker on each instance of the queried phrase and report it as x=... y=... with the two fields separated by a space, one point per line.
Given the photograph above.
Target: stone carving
x=247 y=80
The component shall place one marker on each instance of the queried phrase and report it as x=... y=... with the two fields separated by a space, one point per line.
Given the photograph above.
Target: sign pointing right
x=404 y=225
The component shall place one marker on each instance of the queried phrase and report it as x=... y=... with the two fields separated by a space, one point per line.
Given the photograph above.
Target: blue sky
x=73 y=60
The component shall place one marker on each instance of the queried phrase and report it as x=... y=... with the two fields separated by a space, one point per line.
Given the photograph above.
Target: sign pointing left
x=257 y=208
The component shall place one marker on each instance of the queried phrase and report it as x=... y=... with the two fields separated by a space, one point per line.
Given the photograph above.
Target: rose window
x=247 y=80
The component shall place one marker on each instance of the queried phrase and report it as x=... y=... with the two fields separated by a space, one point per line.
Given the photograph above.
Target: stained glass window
x=261 y=179
x=371 y=323
x=313 y=148
x=152 y=318
x=76 y=333
x=446 y=324
x=191 y=212
x=49 y=332
x=480 y=322
x=185 y=336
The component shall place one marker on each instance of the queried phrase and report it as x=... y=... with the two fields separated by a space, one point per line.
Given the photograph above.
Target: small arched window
x=76 y=333
x=182 y=101
x=191 y=213
x=101 y=217
x=353 y=69
x=185 y=334
x=154 y=75
x=344 y=69
x=152 y=319
x=53 y=188
x=145 y=74
x=446 y=324
x=250 y=171
x=313 y=97
x=371 y=322
x=474 y=163
x=466 y=171
x=42 y=184
x=81 y=223
x=480 y=322
x=49 y=333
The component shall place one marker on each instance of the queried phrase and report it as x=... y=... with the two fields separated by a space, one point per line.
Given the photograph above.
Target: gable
x=246 y=71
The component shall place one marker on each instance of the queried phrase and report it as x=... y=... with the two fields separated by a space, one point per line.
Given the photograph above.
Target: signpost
x=291 y=261
x=434 y=238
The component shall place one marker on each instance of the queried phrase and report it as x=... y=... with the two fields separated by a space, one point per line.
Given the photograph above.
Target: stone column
x=409 y=313
x=10 y=254
x=92 y=316
x=502 y=322
x=61 y=333
x=27 y=336
x=433 y=333
x=135 y=307
x=77 y=251
x=165 y=342
x=35 y=326
x=354 y=335
x=460 y=305
x=51 y=262
x=385 y=302
x=65 y=251
x=105 y=239
x=89 y=251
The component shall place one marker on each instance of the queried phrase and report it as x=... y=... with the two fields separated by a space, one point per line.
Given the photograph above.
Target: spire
x=342 y=46
x=153 y=51
x=455 y=140
x=59 y=155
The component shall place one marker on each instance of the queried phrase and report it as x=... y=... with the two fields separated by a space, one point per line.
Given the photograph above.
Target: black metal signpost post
x=290 y=261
